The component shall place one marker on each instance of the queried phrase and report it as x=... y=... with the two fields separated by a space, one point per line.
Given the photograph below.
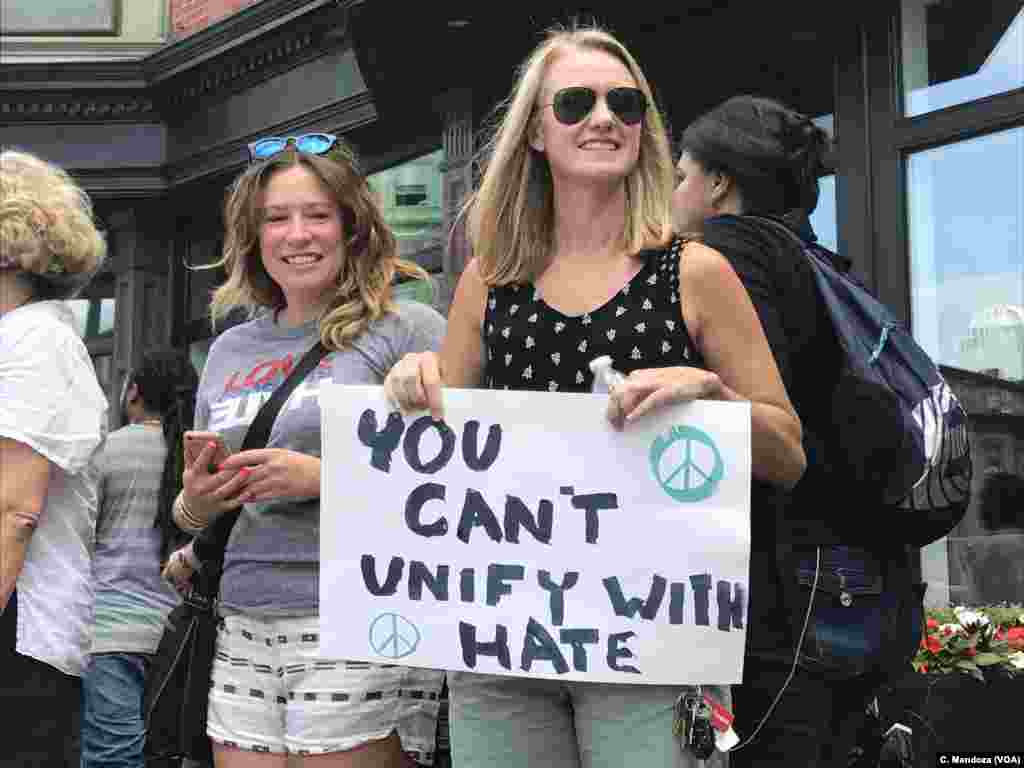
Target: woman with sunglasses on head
x=307 y=249
x=747 y=159
x=574 y=259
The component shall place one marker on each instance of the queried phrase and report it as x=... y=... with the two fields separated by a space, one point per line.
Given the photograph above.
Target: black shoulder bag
x=178 y=682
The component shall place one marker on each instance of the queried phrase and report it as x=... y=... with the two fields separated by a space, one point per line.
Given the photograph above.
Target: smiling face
x=301 y=240
x=599 y=148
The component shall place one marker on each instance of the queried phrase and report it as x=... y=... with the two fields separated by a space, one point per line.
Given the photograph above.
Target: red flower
x=933 y=644
x=1015 y=637
x=1000 y=634
x=933 y=624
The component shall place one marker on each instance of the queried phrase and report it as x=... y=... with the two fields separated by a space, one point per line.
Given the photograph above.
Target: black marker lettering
x=411 y=445
x=482 y=461
x=472 y=648
x=390 y=586
x=414 y=505
x=518 y=514
x=557 y=593
x=381 y=443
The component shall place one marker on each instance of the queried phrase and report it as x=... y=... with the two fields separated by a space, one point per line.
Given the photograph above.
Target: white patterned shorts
x=272 y=692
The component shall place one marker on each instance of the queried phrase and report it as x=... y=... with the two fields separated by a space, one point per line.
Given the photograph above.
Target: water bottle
x=605 y=376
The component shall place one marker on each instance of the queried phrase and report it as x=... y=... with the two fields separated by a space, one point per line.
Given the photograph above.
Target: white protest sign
x=526 y=536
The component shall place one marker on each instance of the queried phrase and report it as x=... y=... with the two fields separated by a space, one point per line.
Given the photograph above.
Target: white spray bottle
x=605 y=376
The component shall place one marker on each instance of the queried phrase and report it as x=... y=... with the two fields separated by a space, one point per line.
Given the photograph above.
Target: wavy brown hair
x=511 y=215
x=370 y=261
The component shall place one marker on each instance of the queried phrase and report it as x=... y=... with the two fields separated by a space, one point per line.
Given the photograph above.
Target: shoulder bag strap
x=211 y=543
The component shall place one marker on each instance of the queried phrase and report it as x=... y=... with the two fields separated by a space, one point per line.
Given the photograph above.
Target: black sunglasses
x=573 y=104
x=312 y=143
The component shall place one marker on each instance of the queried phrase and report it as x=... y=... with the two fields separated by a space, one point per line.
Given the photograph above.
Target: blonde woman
x=307 y=249
x=53 y=419
x=574 y=258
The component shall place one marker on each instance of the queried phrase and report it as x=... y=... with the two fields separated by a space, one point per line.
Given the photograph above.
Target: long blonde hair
x=369 y=265
x=511 y=215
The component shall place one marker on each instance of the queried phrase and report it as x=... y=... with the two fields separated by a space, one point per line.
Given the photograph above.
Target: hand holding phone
x=196 y=441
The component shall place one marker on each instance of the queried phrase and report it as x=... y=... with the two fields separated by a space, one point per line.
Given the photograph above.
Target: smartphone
x=195 y=442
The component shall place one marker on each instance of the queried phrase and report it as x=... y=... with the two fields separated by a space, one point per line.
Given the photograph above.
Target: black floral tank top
x=533 y=346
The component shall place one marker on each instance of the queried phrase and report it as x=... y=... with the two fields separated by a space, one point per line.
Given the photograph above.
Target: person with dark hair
x=53 y=420
x=754 y=157
x=140 y=475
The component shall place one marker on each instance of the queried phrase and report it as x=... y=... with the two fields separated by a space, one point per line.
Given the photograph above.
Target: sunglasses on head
x=573 y=104
x=311 y=143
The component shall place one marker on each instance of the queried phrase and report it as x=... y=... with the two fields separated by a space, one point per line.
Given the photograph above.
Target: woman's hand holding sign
x=649 y=388
x=414 y=384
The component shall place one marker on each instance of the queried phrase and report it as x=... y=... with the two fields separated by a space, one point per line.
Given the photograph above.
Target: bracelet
x=186 y=515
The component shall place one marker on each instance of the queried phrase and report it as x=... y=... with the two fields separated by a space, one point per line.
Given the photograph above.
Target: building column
x=142 y=251
x=459 y=146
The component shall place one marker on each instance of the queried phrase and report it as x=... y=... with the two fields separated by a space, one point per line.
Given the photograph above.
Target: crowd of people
x=580 y=202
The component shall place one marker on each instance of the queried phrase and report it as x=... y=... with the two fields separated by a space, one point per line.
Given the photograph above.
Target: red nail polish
x=211 y=445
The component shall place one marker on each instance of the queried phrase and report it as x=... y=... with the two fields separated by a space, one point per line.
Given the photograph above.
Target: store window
x=823 y=218
x=93 y=318
x=966 y=230
x=956 y=51
x=966 y=237
x=410 y=196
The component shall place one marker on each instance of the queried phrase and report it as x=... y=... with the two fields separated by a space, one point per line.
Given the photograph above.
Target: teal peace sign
x=687 y=464
x=393 y=636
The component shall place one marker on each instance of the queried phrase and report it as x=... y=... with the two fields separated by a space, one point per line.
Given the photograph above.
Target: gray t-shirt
x=272 y=562
x=132 y=600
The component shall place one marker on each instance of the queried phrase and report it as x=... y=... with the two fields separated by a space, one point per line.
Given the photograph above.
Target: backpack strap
x=839 y=263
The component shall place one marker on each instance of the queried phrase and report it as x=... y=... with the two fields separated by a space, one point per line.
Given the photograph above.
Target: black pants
x=814 y=725
x=41 y=707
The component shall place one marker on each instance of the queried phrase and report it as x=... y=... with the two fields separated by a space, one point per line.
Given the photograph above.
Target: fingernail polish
x=211 y=445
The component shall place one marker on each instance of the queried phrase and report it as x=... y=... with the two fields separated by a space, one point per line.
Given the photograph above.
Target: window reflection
x=823 y=218
x=93 y=318
x=955 y=51
x=410 y=196
x=966 y=225
x=966 y=230
x=198 y=351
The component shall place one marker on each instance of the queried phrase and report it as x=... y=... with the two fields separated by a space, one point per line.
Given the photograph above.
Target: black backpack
x=920 y=473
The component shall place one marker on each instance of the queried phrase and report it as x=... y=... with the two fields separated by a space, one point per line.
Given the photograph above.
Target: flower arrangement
x=970 y=639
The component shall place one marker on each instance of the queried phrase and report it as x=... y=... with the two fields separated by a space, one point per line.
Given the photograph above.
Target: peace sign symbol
x=393 y=636
x=687 y=464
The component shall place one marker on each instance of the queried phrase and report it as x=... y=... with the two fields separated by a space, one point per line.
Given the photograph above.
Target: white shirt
x=50 y=400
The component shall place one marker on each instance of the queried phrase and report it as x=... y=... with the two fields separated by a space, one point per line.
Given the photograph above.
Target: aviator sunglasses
x=573 y=104
x=311 y=143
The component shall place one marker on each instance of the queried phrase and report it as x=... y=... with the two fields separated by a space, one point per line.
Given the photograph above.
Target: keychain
x=693 y=724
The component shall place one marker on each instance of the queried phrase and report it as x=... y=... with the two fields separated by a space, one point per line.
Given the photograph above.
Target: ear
x=535 y=132
x=719 y=187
